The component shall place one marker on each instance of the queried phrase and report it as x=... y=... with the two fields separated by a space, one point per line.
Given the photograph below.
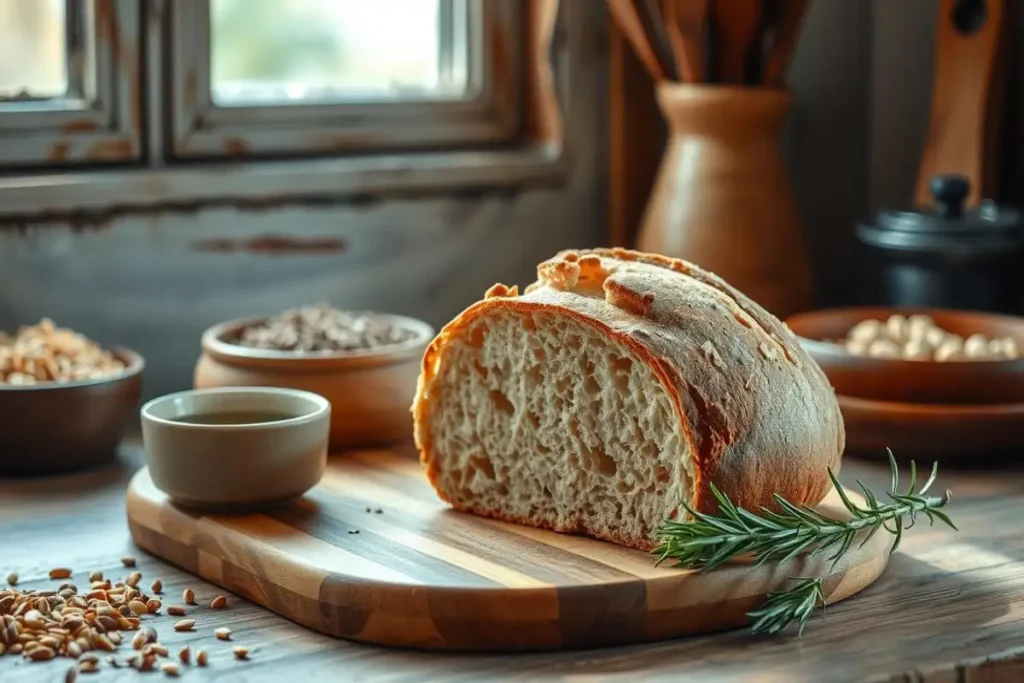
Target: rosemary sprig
x=707 y=541
x=782 y=608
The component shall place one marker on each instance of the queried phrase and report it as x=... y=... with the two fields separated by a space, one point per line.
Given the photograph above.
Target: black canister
x=947 y=257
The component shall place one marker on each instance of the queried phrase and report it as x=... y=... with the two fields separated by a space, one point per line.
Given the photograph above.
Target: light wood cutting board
x=418 y=574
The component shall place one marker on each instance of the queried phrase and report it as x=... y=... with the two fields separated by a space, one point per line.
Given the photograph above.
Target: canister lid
x=947 y=224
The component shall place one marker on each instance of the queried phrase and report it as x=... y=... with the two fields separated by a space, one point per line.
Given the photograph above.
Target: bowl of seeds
x=65 y=400
x=916 y=355
x=365 y=363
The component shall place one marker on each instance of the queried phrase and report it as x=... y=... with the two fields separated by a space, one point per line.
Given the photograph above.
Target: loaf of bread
x=617 y=386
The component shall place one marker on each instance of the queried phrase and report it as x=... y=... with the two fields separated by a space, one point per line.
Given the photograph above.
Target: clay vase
x=723 y=199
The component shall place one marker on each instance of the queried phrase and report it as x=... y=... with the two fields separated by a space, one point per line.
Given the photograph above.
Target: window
x=284 y=77
x=68 y=81
x=304 y=98
x=301 y=52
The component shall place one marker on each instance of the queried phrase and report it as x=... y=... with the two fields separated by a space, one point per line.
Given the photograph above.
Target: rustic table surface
x=949 y=608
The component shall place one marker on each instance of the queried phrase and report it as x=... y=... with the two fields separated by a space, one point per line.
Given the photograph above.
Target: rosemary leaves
x=707 y=541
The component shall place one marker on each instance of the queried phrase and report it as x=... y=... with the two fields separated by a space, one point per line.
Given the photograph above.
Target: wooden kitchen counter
x=949 y=608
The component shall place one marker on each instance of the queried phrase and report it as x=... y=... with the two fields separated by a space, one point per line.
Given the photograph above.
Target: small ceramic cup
x=273 y=458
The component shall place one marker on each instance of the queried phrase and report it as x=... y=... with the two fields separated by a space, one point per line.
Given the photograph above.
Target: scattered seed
x=240 y=652
x=60 y=573
x=95 y=576
x=185 y=655
x=150 y=634
x=201 y=658
x=139 y=640
x=138 y=607
x=153 y=605
x=15 y=649
x=184 y=625
x=219 y=602
x=128 y=561
x=176 y=610
x=157 y=587
x=188 y=596
x=133 y=579
x=223 y=633
x=101 y=642
x=353 y=531
x=71 y=675
x=12 y=578
x=42 y=653
x=88 y=666
x=73 y=649
x=368 y=509
x=170 y=669
x=33 y=619
x=156 y=649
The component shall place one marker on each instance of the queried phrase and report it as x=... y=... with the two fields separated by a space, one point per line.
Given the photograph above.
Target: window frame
x=100 y=120
x=201 y=129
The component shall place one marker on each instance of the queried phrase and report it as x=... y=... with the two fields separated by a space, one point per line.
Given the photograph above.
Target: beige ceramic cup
x=236 y=467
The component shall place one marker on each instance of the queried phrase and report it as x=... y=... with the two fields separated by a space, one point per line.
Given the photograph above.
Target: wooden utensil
x=627 y=16
x=967 y=98
x=736 y=24
x=686 y=25
x=371 y=554
x=783 y=33
x=654 y=25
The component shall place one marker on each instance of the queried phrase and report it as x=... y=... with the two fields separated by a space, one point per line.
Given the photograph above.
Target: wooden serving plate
x=959 y=433
x=418 y=574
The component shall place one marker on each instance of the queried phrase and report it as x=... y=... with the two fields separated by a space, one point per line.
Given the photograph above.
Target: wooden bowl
x=370 y=391
x=53 y=427
x=914 y=381
x=965 y=434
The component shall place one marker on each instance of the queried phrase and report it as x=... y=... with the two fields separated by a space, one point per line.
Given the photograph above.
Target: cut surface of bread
x=551 y=421
x=617 y=387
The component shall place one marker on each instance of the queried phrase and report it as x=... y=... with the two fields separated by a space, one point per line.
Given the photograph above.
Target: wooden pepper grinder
x=723 y=199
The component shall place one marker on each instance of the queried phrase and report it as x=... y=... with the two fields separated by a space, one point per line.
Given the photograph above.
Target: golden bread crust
x=760 y=416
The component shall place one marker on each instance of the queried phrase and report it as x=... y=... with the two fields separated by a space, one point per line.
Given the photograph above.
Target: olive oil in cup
x=238 y=417
x=236 y=448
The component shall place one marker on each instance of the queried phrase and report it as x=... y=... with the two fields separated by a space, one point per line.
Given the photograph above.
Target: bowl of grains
x=65 y=400
x=934 y=356
x=366 y=364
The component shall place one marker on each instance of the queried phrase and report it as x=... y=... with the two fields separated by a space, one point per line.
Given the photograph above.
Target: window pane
x=302 y=51
x=33 y=53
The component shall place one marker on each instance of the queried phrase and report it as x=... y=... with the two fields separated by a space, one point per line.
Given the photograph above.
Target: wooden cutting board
x=418 y=574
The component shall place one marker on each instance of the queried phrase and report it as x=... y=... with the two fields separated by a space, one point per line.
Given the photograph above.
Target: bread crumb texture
x=616 y=387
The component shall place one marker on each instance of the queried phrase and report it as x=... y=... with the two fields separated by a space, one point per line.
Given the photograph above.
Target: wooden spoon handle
x=736 y=25
x=791 y=15
x=966 y=99
x=685 y=22
x=628 y=18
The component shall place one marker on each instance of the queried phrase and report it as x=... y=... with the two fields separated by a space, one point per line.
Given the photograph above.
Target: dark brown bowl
x=965 y=434
x=62 y=427
x=914 y=381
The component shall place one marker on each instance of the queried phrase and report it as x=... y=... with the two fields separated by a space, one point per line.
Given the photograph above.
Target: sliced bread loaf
x=617 y=386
